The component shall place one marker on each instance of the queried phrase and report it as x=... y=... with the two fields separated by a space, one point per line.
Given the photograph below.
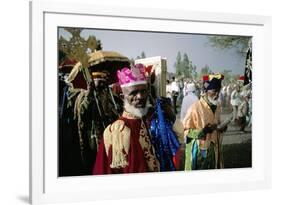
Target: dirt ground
x=237 y=146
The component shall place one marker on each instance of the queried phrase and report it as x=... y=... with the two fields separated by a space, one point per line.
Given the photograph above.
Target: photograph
x=130 y=102
x=135 y=101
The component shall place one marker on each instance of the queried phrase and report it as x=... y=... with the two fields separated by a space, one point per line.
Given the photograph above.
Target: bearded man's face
x=136 y=100
x=136 y=95
x=213 y=96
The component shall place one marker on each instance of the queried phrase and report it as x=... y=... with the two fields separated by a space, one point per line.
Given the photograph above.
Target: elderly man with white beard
x=202 y=129
x=127 y=145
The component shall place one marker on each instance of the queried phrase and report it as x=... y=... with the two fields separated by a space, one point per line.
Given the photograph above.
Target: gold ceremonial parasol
x=110 y=61
x=78 y=76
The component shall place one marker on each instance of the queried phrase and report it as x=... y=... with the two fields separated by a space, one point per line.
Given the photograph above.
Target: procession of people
x=109 y=127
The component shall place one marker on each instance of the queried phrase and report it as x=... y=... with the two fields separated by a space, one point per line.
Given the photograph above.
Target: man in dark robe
x=95 y=108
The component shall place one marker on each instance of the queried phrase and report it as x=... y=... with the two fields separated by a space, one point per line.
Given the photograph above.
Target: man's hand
x=90 y=89
x=91 y=86
x=168 y=110
x=209 y=128
x=222 y=129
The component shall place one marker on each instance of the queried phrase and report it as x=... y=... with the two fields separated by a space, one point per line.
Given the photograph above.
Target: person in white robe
x=188 y=99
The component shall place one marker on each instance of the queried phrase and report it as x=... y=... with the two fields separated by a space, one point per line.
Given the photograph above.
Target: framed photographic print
x=110 y=102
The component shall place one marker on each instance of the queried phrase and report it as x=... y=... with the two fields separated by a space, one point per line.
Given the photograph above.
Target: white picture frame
x=46 y=187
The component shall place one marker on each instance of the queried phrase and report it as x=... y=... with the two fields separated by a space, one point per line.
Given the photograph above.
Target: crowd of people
x=109 y=129
x=235 y=98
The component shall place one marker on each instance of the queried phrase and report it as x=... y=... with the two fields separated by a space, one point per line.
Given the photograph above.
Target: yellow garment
x=179 y=130
x=197 y=117
x=117 y=135
x=218 y=76
x=148 y=149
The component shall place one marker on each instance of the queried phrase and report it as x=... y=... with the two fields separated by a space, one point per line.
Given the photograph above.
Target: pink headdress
x=134 y=76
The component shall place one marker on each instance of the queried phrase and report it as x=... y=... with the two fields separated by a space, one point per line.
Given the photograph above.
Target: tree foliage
x=184 y=67
x=205 y=70
x=142 y=55
x=178 y=65
x=244 y=46
x=227 y=42
x=228 y=76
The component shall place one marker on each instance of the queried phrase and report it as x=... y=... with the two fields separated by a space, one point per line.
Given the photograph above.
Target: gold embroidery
x=148 y=150
x=117 y=135
x=129 y=115
x=179 y=130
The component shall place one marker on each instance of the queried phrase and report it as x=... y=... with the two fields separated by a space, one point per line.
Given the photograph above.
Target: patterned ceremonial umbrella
x=78 y=77
x=66 y=65
x=110 y=61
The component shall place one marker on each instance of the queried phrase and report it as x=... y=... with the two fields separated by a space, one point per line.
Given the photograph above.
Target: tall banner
x=159 y=66
x=248 y=67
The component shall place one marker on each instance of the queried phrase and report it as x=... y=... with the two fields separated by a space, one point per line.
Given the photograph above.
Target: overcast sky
x=167 y=45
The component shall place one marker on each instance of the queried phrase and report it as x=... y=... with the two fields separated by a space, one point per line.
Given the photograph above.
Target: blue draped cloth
x=194 y=155
x=163 y=138
x=194 y=152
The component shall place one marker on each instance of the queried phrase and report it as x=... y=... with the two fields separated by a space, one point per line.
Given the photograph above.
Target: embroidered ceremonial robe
x=91 y=125
x=202 y=151
x=126 y=148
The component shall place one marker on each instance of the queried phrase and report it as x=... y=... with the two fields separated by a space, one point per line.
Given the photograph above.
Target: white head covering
x=190 y=87
x=188 y=99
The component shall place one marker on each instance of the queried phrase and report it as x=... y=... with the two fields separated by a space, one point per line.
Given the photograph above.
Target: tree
x=227 y=42
x=99 y=46
x=194 y=72
x=141 y=56
x=184 y=67
x=206 y=70
x=178 y=64
x=244 y=45
x=132 y=60
x=227 y=76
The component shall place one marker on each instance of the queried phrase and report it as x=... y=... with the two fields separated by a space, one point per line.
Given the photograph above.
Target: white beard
x=138 y=112
x=213 y=101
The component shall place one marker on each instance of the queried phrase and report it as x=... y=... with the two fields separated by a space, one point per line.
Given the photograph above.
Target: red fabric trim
x=205 y=78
